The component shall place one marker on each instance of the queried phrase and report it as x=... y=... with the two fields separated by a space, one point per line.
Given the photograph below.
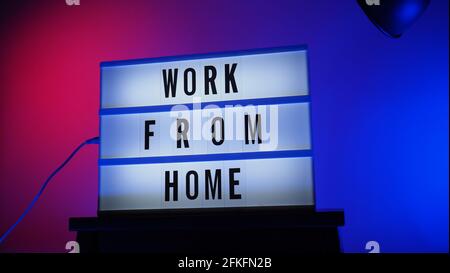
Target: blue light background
x=380 y=121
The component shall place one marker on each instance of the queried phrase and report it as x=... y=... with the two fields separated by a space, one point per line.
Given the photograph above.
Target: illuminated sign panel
x=240 y=183
x=219 y=130
x=228 y=78
x=124 y=135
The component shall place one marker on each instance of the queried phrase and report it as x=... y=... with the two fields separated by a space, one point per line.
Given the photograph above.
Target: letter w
x=170 y=82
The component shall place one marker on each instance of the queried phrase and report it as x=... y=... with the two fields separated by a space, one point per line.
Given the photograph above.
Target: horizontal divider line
x=190 y=106
x=205 y=157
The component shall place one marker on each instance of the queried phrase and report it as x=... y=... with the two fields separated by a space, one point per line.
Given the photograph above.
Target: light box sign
x=201 y=131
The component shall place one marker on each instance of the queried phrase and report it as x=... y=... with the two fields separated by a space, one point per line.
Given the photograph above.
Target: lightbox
x=206 y=131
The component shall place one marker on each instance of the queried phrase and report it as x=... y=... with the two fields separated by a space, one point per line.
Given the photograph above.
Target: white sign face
x=124 y=136
x=240 y=183
x=213 y=79
x=218 y=130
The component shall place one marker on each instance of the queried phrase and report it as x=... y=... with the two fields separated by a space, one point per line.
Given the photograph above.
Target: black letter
x=213 y=131
x=209 y=80
x=188 y=186
x=216 y=186
x=182 y=132
x=253 y=130
x=170 y=85
x=173 y=185
x=233 y=183
x=189 y=93
x=148 y=133
x=229 y=78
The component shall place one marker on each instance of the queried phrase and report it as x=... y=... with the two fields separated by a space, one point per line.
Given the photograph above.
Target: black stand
x=235 y=231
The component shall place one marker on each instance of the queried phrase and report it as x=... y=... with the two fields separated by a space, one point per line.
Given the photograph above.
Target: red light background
x=50 y=94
